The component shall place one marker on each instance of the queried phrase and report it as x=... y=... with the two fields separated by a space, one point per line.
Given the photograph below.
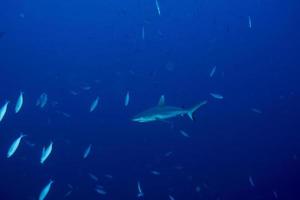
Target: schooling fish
x=157 y=7
x=156 y=173
x=19 y=103
x=46 y=152
x=93 y=177
x=3 y=110
x=140 y=192
x=216 y=96
x=143 y=33
x=127 y=98
x=100 y=191
x=42 y=100
x=212 y=72
x=45 y=190
x=94 y=104
x=87 y=151
x=251 y=181
x=14 y=146
x=185 y=134
x=249 y=22
x=171 y=197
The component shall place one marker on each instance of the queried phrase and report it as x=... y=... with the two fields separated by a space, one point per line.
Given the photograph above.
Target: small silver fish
x=256 y=110
x=19 y=103
x=87 y=151
x=45 y=190
x=143 y=33
x=127 y=98
x=249 y=22
x=140 y=192
x=14 y=146
x=93 y=177
x=171 y=197
x=3 y=110
x=156 y=173
x=251 y=181
x=185 y=134
x=46 y=152
x=94 y=104
x=100 y=191
x=212 y=72
x=157 y=7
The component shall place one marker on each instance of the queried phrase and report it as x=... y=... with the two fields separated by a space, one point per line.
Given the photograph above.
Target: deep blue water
x=60 y=47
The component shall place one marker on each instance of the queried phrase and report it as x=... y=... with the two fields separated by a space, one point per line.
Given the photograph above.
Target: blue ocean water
x=244 y=146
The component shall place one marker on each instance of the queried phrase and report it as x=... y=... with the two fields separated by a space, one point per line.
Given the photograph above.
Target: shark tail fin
x=191 y=111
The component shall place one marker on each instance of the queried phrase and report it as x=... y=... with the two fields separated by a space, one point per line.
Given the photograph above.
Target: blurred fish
x=29 y=143
x=3 y=110
x=67 y=115
x=99 y=186
x=251 y=181
x=185 y=134
x=87 y=151
x=216 y=96
x=100 y=191
x=171 y=197
x=93 y=177
x=94 y=104
x=140 y=192
x=127 y=98
x=156 y=173
x=14 y=146
x=19 y=103
x=68 y=193
x=249 y=22
x=212 y=72
x=45 y=190
x=143 y=33
x=256 y=110
x=168 y=154
x=22 y=15
x=73 y=93
x=108 y=176
x=157 y=7
x=86 y=87
x=42 y=100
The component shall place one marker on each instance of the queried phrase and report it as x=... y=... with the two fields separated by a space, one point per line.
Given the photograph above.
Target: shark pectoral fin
x=191 y=111
x=161 y=101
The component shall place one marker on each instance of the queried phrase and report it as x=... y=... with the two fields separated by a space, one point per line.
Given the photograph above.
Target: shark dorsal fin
x=161 y=101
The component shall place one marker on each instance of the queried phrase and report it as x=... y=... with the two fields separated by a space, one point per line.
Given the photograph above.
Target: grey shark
x=162 y=112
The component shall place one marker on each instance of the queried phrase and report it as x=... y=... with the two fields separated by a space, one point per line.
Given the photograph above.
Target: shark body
x=163 y=112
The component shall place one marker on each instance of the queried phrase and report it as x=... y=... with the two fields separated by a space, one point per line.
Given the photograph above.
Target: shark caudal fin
x=191 y=111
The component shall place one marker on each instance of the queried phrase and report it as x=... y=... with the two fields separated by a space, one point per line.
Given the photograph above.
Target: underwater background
x=244 y=145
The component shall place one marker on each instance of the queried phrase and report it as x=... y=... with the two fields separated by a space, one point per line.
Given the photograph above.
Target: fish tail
x=191 y=111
